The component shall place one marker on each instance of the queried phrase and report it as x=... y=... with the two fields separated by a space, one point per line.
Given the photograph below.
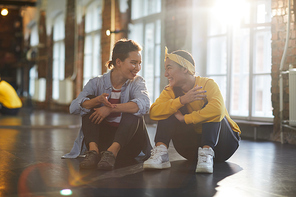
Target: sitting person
x=191 y=112
x=10 y=103
x=112 y=108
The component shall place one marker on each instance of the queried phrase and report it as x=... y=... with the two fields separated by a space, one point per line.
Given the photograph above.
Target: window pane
x=56 y=52
x=158 y=32
x=59 y=28
x=33 y=75
x=263 y=11
x=262 y=96
x=34 y=39
x=96 y=56
x=88 y=45
x=262 y=55
x=215 y=27
x=93 y=17
x=136 y=34
x=154 y=6
x=88 y=20
x=157 y=73
x=141 y=8
x=62 y=62
x=239 y=104
x=87 y=67
x=221 y=81
x=217 y=56
x=55 y=69
x=149 y=58
x=55 y=89
x=241 y=54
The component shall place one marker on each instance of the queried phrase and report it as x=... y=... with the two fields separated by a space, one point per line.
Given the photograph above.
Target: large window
x=33 y=74
x=145 y=28
x=92 y=51
x=58 y=71
x=239 y=55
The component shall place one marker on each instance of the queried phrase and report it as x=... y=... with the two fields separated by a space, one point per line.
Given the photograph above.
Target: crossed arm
x=101 y=113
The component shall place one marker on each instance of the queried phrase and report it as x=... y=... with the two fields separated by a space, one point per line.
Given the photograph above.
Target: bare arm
x=102 y=112
x=102 y=99
x=129 y=107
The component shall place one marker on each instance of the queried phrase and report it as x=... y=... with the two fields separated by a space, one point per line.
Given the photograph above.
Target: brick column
x=80 y=58
x=70 y=38
x=49 y=69
x=42 y=49
x=121 y=22
x=278 y=30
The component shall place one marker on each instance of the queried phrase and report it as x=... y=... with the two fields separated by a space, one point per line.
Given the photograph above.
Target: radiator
x=292 y=97
x=40 y=87
x=65 y=91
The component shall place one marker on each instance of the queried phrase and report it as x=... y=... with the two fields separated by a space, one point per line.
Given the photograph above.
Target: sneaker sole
x=157 y=166
x=204 y=170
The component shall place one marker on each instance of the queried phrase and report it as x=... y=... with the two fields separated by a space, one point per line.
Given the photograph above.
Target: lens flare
x=4 y=12
x=66 y=192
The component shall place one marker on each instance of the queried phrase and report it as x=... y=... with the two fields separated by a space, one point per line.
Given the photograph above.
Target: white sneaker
x=159 y=158
x=205 y=160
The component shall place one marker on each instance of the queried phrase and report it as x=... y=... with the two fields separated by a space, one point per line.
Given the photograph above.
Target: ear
x=118 y=62
x=185 y=70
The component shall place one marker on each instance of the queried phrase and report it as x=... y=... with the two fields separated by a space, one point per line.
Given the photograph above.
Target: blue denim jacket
x=132 y=90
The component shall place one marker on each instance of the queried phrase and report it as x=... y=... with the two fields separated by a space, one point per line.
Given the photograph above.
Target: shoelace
x=202 y=158
x=155 y=153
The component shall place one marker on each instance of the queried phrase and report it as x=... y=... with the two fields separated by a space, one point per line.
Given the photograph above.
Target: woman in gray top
x=112 y=108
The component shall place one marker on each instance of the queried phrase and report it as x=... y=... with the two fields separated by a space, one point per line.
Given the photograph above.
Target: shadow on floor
x=130 y=180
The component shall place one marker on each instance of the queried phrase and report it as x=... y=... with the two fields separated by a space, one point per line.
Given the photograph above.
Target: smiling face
x=175 y=73
x=131 y=65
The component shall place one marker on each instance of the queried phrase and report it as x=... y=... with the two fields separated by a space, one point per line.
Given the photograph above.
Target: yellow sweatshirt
x=211 y=109
x=8 y=96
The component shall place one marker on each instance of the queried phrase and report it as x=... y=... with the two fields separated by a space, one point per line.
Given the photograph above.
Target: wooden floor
x=31 y=146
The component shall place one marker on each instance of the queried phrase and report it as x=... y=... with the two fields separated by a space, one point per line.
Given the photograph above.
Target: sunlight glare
x=230 y=12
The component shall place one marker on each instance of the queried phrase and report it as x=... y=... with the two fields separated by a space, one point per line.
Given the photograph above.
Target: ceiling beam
x=18 y=3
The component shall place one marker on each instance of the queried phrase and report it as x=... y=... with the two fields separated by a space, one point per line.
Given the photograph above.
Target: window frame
x=93 y=33
x=60 y=43
x=33 y=73
x=252 y=26
x=144 y=20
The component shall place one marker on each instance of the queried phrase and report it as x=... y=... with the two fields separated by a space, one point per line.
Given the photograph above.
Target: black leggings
x=131 y=134
x=217 y=135
x=8 y=111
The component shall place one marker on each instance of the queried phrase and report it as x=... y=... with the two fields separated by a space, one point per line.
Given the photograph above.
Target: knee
x=130 y=118
x=85 y=118
x=170 y=120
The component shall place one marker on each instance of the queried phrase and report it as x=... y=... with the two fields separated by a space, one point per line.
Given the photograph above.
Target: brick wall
x=175 y=24
x=42 y=50
x=105 y=40
x=121 y=21
x=80 y=58
x=70 y=38
x=278 y=29
x=11 y=39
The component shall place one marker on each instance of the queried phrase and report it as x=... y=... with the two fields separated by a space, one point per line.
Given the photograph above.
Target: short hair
x=121 y=50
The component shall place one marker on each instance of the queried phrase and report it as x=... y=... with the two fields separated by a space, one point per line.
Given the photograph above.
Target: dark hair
x=185 y=55
x=121 y=50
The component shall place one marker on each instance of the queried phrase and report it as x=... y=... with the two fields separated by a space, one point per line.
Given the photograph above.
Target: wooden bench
x=254 y=124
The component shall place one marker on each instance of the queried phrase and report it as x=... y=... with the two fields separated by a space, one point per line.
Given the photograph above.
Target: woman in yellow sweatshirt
x=10 y=103
x=191 y=112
